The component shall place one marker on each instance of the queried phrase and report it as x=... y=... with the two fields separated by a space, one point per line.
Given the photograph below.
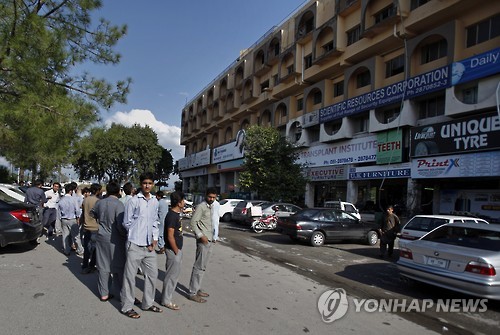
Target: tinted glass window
x=222 y=202
x=307 y=213
x=349 y=209
x=425 y=224
x=466 y=237
x=7 y=198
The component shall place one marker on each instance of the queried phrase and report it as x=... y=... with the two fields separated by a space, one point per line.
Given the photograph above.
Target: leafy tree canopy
x=44 y=102
x=121 y=153
x=270 y=167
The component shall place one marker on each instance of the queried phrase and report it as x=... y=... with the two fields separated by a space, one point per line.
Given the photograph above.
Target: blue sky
x=174 y=49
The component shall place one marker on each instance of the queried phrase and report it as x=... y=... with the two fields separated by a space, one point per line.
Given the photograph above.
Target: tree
x=165 y=165
x=45 y=103
x=269 y=167
x=120 y=153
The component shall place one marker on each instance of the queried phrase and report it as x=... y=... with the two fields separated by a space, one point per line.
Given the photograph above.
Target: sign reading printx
x=476 y=133
x=479 y=66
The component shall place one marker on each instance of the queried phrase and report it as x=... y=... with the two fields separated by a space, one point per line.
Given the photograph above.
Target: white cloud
x=168 y=136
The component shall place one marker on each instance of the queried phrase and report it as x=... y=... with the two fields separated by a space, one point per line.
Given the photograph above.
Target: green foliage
x=270 y=167
x=44 y=102
x=120 y=153
x=5 y=175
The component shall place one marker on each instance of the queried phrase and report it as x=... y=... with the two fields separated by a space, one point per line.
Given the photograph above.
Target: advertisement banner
x=481 y=164
x=326 y=173
x=380 y=172
x=482 y=203
x=230 y=151
x=475 y=67
x=475 y=133
x=194 y=160
x=390 y=147
x=358 y=150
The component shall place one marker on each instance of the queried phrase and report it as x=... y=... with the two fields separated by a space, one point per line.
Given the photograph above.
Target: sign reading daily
x=475 y=133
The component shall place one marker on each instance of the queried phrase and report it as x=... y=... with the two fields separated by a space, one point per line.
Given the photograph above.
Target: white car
x=345 y=206
x=226 y=208
x=420 y=225
x=12 y=191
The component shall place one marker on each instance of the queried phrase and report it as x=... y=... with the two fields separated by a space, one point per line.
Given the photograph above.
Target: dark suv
x=242 y=213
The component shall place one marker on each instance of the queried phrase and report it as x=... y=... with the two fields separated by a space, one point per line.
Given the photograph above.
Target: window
x=338 y=89
x=264 y=86
x=433 y=51
x=361 y=124
x=417 y=3
x=395 y=66
x=433 y=106
x=385 y=13
x=363 y=79
x=308 y=60
x=391 y=114
x=328 y=47
x=483 y=31
x=354 y=35
x=469 y=95
x=275 y=80
x=289 y=69
x=317 y=97
x=300 y=104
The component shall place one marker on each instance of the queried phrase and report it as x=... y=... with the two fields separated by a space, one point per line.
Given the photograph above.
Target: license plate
x=438 y=262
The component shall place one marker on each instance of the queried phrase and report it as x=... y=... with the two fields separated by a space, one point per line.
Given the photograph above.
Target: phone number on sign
x=346 y=160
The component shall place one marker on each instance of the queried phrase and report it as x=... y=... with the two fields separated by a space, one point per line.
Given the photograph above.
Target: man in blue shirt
x=70 y=211
x=141 y=222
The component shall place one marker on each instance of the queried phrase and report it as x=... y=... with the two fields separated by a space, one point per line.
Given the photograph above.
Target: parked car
x=320 y=225
x=19 y=222
x=420 y=225
x=463 y=257
x=345 y=206
x=281 y=209
x=226 y=208
x=13 y=191
x=246 y=210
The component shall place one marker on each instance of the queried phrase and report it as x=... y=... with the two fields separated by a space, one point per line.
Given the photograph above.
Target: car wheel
x=372 y=238
x=317 y=239
x=226 y=217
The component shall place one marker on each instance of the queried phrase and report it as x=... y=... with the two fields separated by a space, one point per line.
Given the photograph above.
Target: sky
x=173 y=49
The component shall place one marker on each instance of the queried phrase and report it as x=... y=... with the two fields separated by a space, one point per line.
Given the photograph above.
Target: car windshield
x=425 y=224
x=466 y=237
x=222 y=202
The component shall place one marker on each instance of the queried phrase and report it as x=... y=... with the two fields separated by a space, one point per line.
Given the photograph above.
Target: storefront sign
x=357 y=150
x=230 y=166
x=194 y=173
x=230 y=151
x=194 y=160
x=479 y=66
x=390 y=147
x=484 y=203
x=326 y=173
x=476 y=133
x=379 y=172
x=481 y=164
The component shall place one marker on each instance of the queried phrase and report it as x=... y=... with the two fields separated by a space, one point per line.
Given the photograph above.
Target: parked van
x=345 y=206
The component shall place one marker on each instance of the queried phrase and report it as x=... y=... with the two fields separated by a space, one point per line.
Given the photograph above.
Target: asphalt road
x=358 y=269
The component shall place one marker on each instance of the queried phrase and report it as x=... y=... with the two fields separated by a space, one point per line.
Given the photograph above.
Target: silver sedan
x=463 y=257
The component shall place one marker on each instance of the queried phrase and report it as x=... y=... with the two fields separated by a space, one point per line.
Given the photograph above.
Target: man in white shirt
x=49 y=216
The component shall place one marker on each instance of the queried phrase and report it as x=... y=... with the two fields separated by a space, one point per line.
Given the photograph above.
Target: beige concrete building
x=388 y=102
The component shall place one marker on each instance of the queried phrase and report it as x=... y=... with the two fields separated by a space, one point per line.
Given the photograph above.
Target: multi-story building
x=387 y=102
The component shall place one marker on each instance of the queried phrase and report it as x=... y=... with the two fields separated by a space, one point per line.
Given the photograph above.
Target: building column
x=352 y=192
x=236 y=181
x=309 y=195
x=413 y=197
x=222 y=181
x=211 y=180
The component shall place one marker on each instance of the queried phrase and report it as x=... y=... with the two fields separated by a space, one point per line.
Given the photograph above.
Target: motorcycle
x=265 y=223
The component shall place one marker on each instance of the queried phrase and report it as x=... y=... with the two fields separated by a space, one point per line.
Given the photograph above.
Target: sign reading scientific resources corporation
x=480 y=164
x=475 y=133
x=358 y=150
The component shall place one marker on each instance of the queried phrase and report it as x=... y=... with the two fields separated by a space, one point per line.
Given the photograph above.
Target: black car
x=320 y=225
x=19 y=222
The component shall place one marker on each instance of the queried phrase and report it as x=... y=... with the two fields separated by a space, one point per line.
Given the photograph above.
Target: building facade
x=388 y=102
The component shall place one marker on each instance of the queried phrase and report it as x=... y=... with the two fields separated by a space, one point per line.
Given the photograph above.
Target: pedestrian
x=35 y=194
x=173 y=249
x=203 y=228
x=70 y=212
x=162 y=213
x=49 y=216
x=141 y=222
x=129 y=191
x=388 y=231
x=90 y=228
x=110 y=242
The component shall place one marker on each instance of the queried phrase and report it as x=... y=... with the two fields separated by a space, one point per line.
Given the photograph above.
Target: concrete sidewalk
x=43 y=292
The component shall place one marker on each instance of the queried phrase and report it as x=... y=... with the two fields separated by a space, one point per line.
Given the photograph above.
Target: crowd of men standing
x=120 y=236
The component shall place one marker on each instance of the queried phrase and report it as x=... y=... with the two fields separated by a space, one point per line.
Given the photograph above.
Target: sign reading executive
x=476 y=133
